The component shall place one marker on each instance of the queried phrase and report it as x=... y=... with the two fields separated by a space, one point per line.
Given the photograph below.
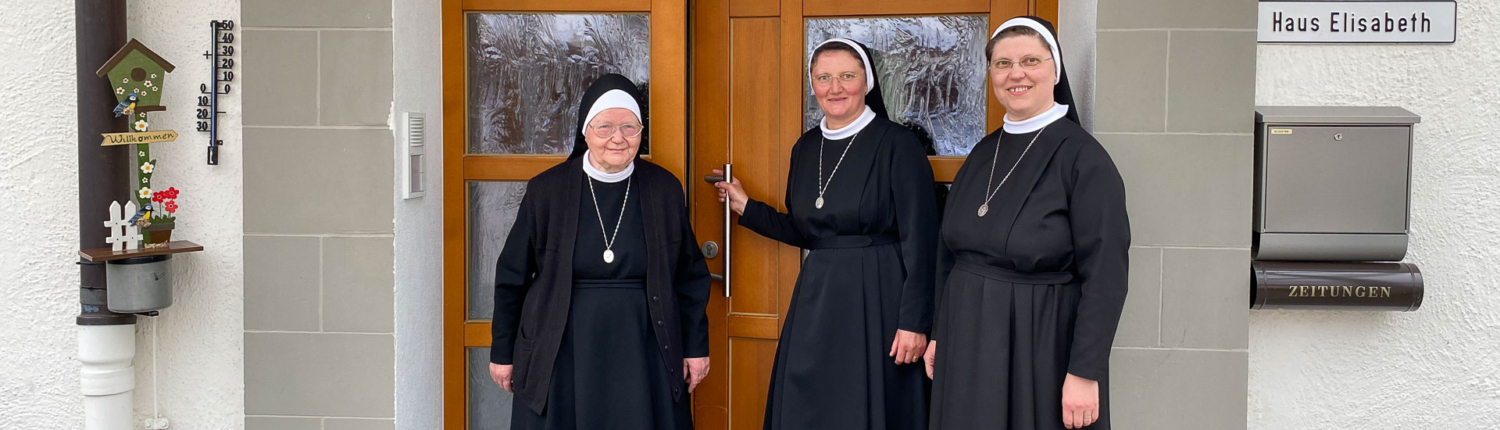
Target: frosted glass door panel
x=489 y=405
x=492 y=212
x=527 y=72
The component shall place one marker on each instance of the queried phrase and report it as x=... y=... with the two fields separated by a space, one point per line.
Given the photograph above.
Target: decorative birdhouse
x=137 y=75
x=137 y=70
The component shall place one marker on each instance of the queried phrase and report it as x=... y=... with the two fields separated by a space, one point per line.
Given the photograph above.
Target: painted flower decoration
x=135 y=90
x=171 y=207
x=158 y=196
x=171 y=192
x=141 y=153
x=145 y=180
x=141 y=126
x=147 y=167
x=148 y=83
x=124 y=80
x=120 y=90
x=145 y=192
x=153 y=76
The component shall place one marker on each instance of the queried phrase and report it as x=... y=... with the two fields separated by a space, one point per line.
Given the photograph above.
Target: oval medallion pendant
x=984 y=209
x=609 y=256
x=818 y=204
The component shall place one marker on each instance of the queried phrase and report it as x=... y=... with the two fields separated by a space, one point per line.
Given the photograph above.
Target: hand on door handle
x=730 y=190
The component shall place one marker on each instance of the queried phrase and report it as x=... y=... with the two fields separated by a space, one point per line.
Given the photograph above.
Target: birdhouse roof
x=134 y=45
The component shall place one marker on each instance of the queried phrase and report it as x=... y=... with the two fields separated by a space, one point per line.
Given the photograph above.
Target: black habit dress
x=868 y=274
x=1033 y=290
x=608 y=374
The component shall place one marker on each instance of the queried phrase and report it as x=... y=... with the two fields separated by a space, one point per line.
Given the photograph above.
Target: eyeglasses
x=827 y=79
x=1028 y=63
x=604 y=131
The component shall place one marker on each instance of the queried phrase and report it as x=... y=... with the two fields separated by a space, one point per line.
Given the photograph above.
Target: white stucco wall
x=39 y=190
x=200 y=343
x=419 y=222
x=1437 y=367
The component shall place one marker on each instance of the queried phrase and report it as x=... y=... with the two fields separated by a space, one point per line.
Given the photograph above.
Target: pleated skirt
x=1002 y=355
x=608 y=375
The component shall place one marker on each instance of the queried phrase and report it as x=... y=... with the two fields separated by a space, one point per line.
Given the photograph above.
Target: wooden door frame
x=668 y=29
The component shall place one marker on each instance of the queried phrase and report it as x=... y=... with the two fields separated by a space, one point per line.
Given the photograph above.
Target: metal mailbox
x=1332 y=183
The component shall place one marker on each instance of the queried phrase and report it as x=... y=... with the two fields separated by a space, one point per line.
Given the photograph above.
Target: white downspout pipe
x=107 y=353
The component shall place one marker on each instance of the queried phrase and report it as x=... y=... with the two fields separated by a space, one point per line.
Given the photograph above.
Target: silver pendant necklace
x=609 y=240
x=823 y=186
x=984 y=208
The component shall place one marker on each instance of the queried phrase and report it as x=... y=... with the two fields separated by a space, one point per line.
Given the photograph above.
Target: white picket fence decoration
x=123 y=234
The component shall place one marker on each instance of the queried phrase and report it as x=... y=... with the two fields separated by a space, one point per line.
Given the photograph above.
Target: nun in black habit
x=1032 y=265
x=600 y=291
x=859 y=197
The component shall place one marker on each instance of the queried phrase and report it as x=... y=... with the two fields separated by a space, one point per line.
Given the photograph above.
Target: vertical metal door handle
x=728 y=246
x=715 y=179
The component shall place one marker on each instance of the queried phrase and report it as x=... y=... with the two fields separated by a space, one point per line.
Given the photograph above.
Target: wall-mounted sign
x=1358 y=21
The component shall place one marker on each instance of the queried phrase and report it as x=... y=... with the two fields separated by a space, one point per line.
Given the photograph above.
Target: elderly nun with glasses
x=1031 y=270
x=600 y=291
x=859 y=197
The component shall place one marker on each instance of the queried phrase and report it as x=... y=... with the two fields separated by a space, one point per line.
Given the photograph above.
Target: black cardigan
x=534 y=276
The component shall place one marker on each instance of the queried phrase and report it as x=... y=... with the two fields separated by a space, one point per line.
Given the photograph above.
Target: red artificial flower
x=171 y=192
x=158 y=196
x=172 y=207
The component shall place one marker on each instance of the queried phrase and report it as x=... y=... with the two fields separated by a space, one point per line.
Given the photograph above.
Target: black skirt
x=832 y=369
x=1003 y=355
x=608 y=374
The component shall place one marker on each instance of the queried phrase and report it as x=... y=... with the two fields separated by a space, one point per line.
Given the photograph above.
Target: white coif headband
x=1046 y=35
x=869 y=69
x=610 y=100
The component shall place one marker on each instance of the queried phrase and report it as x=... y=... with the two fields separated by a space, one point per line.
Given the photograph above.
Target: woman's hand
x=931 y=357
x=693 y=371
x=908 y=346
x=731 y=189
x=1080 y=402
x=501 y=374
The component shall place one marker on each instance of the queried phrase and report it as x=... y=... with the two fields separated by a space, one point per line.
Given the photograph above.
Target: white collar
x=599 y=175
x=1035 y=123
x=848 y=130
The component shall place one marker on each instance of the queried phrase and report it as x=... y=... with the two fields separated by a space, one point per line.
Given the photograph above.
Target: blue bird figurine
x=126 y=107
x=142 y=216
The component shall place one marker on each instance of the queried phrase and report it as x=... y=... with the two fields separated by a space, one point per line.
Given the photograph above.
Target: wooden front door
x=749 y=104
